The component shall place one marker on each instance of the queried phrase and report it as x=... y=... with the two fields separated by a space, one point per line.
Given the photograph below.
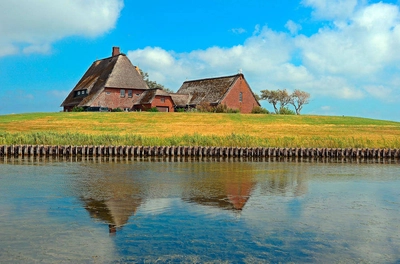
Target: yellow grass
x=296 y=131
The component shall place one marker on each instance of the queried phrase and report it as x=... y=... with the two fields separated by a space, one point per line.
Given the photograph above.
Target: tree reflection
x=284 y=181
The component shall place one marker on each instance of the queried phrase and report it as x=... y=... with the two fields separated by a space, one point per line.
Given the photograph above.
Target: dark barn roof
x=148 y=96
x=112 y=72
x=211 y=90
x=181 y=100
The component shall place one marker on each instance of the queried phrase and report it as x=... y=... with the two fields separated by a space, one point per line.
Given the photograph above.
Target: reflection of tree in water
x=223 y=185
x=111 y=196
x=285 y=180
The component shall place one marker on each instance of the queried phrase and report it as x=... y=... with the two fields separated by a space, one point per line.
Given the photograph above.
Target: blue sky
x=345 y=53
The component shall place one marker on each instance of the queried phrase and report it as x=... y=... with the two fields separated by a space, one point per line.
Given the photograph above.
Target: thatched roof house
x=232 y=91
x=114 y=82
x=111 y=82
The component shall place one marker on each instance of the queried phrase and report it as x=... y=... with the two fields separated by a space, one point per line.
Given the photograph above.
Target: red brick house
x=232 y=91
x=111 y=82
x=154 y=98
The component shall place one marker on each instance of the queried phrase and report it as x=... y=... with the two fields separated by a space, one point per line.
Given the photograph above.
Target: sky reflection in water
x=94 y=210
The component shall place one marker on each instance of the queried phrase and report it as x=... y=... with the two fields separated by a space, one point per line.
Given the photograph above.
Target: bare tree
x=298 y=99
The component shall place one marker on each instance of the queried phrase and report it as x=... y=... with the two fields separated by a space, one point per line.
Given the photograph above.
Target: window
x=163 y=99
x=241 y=97
x=130 y=93
x=80 y=93
x=122 y=92
x=108 y=93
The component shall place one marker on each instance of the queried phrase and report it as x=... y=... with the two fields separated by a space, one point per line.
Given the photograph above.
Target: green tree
x=257 y=97
x=153 y=84
x=280 y=97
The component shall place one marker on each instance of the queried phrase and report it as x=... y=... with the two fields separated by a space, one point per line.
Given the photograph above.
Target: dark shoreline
x=197 y=151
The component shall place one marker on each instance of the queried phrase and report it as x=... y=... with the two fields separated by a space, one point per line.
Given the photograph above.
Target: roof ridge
x=123 y=54
x=214 y=78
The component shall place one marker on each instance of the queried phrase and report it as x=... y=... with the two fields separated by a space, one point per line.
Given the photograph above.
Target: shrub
x=204 y=107
x=78 y=109
x=259 y=110
x=233 y=111
x=286 y=111
x=221 y=108
x=153 y=109
x=117 y=110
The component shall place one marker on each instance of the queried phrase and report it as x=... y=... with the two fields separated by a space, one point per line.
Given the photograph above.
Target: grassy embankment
x=152 y=129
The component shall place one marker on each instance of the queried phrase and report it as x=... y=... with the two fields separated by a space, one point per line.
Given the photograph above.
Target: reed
x=197 y=129
x=232 y=140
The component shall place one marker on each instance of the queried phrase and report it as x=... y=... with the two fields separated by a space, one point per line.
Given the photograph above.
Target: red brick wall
x=167 y=103
x=248 y=100
x=111 y=98
x=157 y=103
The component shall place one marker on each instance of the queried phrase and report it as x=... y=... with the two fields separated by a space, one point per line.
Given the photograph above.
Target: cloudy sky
x=345 y=53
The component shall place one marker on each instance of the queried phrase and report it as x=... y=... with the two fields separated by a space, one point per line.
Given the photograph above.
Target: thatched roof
x=181 y=100
x=148 y=96
x=210 y=90
x=113 y=72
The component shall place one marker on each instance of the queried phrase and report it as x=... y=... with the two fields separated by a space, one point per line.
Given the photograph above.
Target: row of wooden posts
x=197 y=151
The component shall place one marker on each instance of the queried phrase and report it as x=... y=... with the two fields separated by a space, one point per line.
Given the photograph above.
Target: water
x=102 y=211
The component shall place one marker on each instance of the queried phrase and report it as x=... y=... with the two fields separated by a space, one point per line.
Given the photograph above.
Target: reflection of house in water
x=234 y=197
x=114 y=212
x=111 y=196
x=229 y=190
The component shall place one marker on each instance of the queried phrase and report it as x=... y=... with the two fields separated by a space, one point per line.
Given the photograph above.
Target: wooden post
x=167 y=151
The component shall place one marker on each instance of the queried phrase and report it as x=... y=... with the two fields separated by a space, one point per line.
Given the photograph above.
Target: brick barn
x=232 y=91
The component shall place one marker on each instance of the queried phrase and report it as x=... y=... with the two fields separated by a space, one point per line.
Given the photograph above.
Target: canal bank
x=194 y=151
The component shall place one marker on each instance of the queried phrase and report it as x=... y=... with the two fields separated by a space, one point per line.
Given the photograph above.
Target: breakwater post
x=193 y=151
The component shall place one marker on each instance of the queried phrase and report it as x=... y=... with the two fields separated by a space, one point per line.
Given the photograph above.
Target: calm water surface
x=102 y=211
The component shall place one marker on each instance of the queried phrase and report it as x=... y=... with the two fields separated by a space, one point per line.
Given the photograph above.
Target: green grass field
x=205 y=129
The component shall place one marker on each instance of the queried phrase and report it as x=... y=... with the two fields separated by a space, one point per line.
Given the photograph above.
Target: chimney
x=115 y=51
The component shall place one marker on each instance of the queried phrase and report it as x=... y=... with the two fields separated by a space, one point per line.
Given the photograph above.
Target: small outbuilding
x=154 y=98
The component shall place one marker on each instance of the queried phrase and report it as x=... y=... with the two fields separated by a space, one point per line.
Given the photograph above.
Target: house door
x=162 y=108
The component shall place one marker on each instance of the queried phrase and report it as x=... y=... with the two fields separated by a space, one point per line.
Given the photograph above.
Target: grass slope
x=144 y=128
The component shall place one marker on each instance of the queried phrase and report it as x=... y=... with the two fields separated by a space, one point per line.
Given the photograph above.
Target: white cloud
x=381 y=92
x=262 y=52
x=293 y=27
x=331 y=9
x=357 y=52
x=238 y=30
x=31 y=26
x=59 y=94
x=326 y=108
